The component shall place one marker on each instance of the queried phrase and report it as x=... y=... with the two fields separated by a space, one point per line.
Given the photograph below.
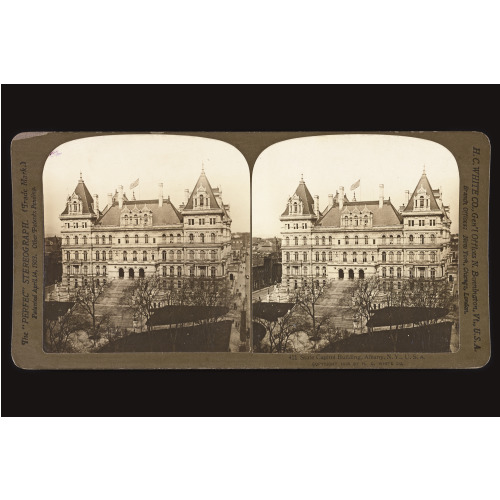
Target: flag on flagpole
x=355 y=185
x=134 y=184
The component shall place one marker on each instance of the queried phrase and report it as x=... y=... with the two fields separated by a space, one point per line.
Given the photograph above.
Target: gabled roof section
x=202 y=182
x=165 y=215
x=305 y=197
x=84 y=195
x=423 y=183
x=385 y=216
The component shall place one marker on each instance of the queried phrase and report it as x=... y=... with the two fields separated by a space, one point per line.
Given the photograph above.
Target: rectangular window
x=421 y=222
x=411 y=222
x=432 y=222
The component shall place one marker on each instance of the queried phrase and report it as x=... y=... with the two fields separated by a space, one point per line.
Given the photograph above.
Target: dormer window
x=295 y=207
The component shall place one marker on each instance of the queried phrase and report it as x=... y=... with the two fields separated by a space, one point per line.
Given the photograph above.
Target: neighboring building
x=358 y=239
x=138 y=238
x=239 y=245
x=52 y=260
x=266 y=270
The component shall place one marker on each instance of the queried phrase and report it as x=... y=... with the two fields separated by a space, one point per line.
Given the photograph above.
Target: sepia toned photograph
x=146 y=246
x=355 y=246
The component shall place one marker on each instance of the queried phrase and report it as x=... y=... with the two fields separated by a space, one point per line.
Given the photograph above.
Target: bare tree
x=59 y=331
x=145 y=294
x=279 y=326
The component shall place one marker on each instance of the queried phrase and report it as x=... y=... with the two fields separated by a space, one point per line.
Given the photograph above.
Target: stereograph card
x=250 y=250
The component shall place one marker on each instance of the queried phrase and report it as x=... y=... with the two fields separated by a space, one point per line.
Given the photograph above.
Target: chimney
x=186 y=196
x=330 y=200
x=110 y=199
x=160 y=194
x=380 y=195
x=316 y=205
x=120 y=197
x=341 y=197
x=96 y=203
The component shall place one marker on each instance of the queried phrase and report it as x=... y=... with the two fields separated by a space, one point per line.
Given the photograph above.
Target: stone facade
x=357 y=239
x=133 y=238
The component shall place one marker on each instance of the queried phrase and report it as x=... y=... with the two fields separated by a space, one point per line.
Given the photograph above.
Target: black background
x=244 y=392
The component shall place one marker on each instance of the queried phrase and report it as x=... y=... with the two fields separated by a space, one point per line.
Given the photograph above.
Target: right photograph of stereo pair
x=355 y=246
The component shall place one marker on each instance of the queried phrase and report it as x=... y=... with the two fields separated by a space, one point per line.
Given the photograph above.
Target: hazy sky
x=328 y=162
x=109 y=161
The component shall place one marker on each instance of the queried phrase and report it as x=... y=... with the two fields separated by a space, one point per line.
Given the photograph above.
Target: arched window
x=96 y=239
x=179 y=255
x=296 y=240
x=97 y=270
x=384 y=256
x=411 y=239
x=421 y=201
x=76 y=240
x=75 y=206
x=366 y=240
x=137 y=238
x=146 y=238
x=171 y=255
x=213 y=272
x=384 y=272
x=134 y=255
x=356 y=241
x=85 y=269
x=391 y=272
x=202 y=200
x=323 y=271
x=433 y=238
x=330 y=256
x=103 y=239
x=421 y=256
x=104 y=272
x=212 y=238
x=164 y=255
x=85 y=255
x=164 y=238
x=398 y=272
x=126 y=238
x=346 y=220
x=323 y=240
x=179 y=271
x=317 y=270
x=316 y=240
x=191 y=238
x=287 y=241
x=304 y=257
x=144 y=255
x=287 y=256
x=365 y=220
x=179 y=238
x=316 y=255
x=391 y=256
x=398 y=238
x=296 y=256
x=125 y=255
x=433 y=256
x=294 y=207
x=422 y=239
x=145 y=218
x=304 y=240
x=97 y=255
x=136 y=220
x=391 y=239
x=110 y=256
x=171 y=238
x=398 y=256
x=344 y=257
x=354 y=257
x=347 y=240
x=104 y=255
x=410 y=257
x=355 y=220
x=191 y=254
x=383 y=239
x=323 y=256
x=67 y=256
x=76 y=255
x=212 y=254
x=172 y=271
x=202 y=254
x=125 y=220
x=364 y=256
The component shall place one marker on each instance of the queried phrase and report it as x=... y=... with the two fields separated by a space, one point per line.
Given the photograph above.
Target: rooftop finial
x=301 y=177
x=424 y=169
x=202 y=167
x=81 y=176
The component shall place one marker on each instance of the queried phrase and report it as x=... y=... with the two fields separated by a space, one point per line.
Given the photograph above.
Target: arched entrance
x=351 y=274
x=341 y=274
x=131 y=274
x=141 y=273
x=361 y=274
x=231 y=277
x=121 y=273
x=295 y=285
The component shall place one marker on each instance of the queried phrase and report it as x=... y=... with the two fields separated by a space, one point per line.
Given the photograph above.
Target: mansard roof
x=305 y=197
x=385 y=216
x=84 y=195
x=203 y=182
x=165 y=215
x=423 y=182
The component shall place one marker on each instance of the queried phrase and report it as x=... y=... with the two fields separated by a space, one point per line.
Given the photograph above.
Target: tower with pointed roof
x=207 y=228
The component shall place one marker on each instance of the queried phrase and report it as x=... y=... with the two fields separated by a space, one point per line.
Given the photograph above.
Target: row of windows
x=385 y=256
x=398 y=270
x=171 y=239
x=202 y=255
x=357 y=239
x=201 y=222
x=178 y=272
x=85 y=270
x=135 y=219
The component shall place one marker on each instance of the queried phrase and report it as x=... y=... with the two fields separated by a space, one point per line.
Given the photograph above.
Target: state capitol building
x=358 y=239
x=130 y=239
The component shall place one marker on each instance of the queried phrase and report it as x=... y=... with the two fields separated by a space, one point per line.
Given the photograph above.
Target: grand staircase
x=330 y=300
x=115 y=300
